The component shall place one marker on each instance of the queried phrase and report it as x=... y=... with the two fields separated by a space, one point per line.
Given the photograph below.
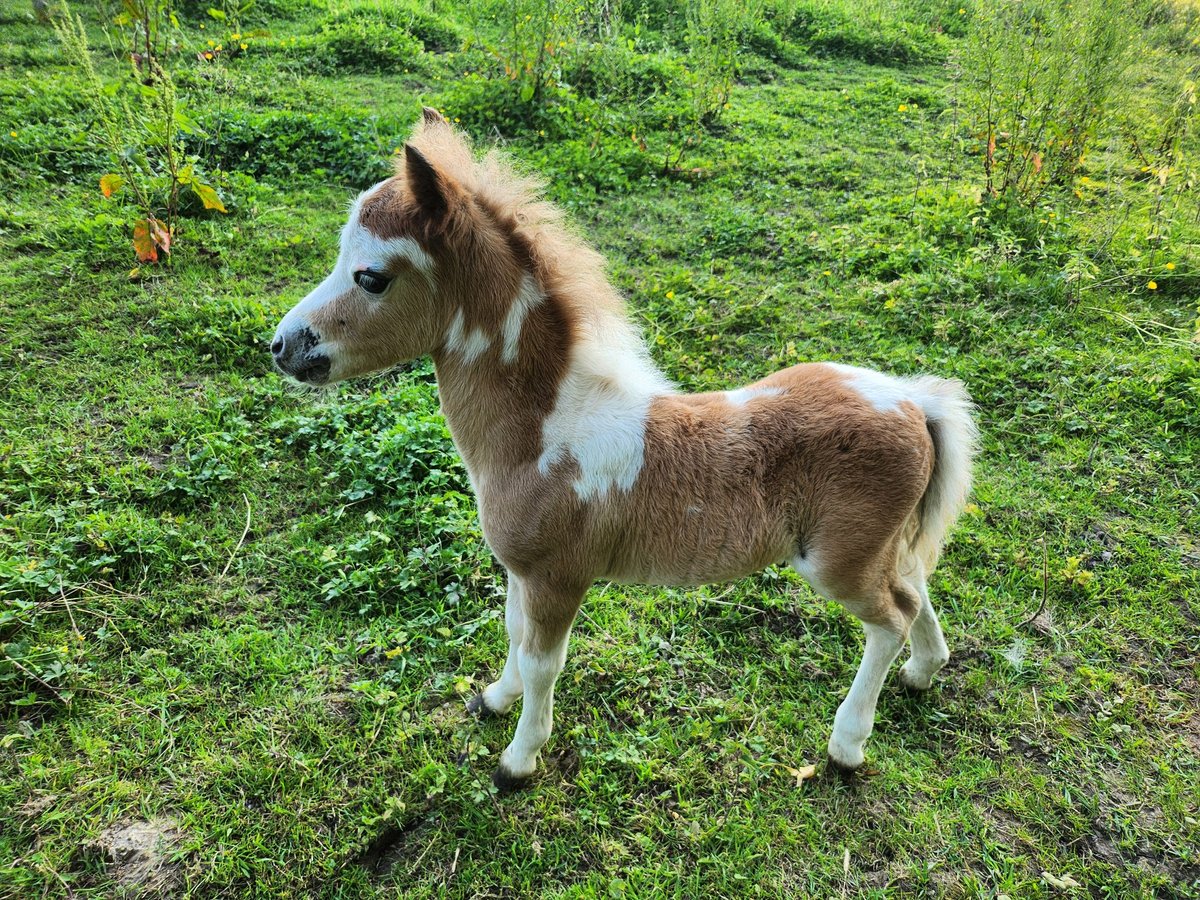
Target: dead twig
x=241 y=540
x=1045 y=584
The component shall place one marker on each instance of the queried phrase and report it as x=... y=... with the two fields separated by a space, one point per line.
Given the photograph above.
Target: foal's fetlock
x=513 y=775
x=845 y=759
x=919 y=677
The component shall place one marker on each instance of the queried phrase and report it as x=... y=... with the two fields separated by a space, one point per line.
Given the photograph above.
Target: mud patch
x=393 y=846
x=138 y=855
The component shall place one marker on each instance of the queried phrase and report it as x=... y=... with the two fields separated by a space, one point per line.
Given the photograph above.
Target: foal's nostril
x=277 y=346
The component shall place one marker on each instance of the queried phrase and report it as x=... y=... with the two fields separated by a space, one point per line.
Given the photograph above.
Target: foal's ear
x=431 y=116
x=434 y=192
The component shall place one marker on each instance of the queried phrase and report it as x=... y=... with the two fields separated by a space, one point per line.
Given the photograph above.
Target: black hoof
x=841 y=770
x=478 y=707
x=506 y=782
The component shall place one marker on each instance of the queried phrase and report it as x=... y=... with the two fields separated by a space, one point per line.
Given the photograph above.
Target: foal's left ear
x=434 y=192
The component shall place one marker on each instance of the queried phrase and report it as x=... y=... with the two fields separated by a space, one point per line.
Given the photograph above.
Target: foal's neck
x=573 y=365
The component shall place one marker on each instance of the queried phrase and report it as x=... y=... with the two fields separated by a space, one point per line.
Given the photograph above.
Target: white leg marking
x=929 y=650
x=500 y=695
x=469 y=346
x=527 y=298
x=539 y=672
x=856 y=716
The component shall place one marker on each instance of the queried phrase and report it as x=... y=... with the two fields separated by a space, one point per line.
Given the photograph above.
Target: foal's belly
x=699 y=547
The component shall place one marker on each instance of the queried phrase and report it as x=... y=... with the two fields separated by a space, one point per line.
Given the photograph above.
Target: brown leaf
x=143 y=244
x=149 y=236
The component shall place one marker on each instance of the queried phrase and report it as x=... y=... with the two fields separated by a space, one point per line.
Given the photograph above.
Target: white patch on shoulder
x=528 y=297
x=469 y=346
x=742 y=396
x=599 y=415
x=884 y=392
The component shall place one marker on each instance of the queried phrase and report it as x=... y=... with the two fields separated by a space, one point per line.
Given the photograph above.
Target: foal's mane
x=562 y=262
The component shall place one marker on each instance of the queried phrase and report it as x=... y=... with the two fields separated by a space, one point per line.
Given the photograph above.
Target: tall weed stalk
x=1042 y=77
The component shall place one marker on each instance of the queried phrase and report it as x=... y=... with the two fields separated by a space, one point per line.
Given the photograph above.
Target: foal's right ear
x=433 y=192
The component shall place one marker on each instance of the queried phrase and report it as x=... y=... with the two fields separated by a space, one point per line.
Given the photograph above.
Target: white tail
x=948 y=415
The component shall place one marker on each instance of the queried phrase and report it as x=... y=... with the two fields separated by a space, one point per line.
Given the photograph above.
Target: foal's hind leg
x=886 y=624
x=499 y=696
x=929 y=650
x=549 y=613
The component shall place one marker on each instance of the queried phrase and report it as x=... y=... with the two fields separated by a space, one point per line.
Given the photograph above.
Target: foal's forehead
x=383 y=210
x=376 y=233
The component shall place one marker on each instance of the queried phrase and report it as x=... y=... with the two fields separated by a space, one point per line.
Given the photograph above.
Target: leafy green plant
x=141 y=124
x=1041 y=79
x=529 y=38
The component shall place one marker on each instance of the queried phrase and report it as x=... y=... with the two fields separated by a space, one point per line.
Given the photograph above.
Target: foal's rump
x=817 y=461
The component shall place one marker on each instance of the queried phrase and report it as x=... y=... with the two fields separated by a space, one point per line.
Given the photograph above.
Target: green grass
x=293 y=701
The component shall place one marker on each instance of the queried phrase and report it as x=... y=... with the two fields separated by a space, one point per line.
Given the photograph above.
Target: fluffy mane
x=564 y=265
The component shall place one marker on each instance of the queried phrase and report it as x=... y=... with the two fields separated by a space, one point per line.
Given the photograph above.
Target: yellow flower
x=962 y=12
x=827 y=272
x=670 y=295
x=1153 y=285
x=903 y=107
x=12 y=134
x=1170 y=266
x=235 y=36
x=242 y=45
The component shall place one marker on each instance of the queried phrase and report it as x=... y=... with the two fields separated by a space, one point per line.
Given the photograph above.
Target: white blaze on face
x=359 y=249
x=599 y=415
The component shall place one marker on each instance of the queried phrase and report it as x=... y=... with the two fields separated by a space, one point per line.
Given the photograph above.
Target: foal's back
x=797 y=466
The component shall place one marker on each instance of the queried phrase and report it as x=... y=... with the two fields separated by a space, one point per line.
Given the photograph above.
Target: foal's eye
x=372 y=282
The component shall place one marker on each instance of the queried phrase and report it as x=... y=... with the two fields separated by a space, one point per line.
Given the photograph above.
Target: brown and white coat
x=588 y=464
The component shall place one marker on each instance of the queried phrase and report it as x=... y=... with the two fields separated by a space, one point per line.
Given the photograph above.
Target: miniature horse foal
x=587 y=464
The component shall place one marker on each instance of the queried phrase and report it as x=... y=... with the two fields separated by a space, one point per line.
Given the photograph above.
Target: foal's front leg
x=549 y=614
x=499 y=696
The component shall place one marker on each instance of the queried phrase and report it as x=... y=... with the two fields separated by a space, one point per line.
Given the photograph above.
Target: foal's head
x=420 y=257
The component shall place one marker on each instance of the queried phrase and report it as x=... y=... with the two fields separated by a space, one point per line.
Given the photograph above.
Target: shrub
x=1041 y=78
x=888 y=37
x=367 y=45
x=351 y=148
x=141 y=125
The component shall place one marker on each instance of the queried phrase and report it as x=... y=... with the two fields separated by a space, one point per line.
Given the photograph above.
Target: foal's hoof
x=506 y=782
x=913 y=682
x=478 y=707
x=842 y=769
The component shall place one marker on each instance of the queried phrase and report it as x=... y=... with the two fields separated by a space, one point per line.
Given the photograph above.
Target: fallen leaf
x=801 y=774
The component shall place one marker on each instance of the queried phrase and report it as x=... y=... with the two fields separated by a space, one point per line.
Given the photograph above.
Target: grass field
x=244 y=619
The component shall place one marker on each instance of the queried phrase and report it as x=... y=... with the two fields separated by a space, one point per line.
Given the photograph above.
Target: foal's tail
x=948 y=416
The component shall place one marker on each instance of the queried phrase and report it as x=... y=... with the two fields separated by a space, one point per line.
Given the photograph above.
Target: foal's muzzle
x=296 y=354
